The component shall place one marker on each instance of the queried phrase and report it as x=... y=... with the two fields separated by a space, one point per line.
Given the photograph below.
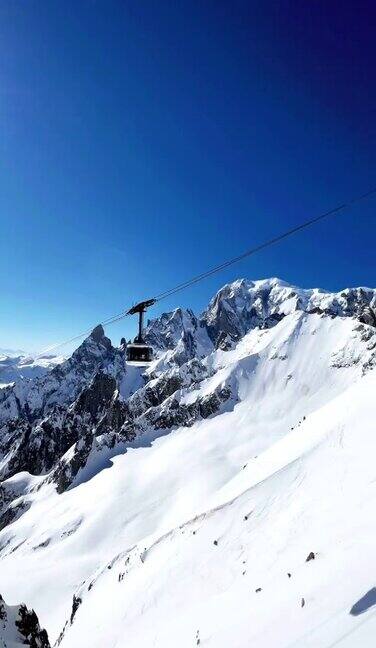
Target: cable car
x=138 y=351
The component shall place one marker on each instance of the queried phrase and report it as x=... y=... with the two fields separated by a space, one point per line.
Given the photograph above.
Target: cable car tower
x=138 y=351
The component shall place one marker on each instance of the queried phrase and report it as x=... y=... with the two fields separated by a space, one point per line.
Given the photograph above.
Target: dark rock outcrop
x=367 y=315
x=36 y=448
x=29 y=628
x=32 y=400
x=173 y=412
x=21 y=625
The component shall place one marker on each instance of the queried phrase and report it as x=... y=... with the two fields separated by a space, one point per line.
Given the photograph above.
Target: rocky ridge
x=50 y=426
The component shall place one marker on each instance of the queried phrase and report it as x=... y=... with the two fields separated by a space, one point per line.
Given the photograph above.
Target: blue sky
x=141 y=143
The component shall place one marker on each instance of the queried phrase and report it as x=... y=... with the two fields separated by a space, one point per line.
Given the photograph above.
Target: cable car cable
x=262 y=246
x=222 y=266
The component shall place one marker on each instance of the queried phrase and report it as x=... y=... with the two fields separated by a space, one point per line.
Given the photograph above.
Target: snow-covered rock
x=20 y=627
x=243 y=305
x=169 y=505
x=16 y=366
x=31 y=399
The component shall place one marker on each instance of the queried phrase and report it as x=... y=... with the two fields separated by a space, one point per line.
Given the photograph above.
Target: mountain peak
x=97 y=333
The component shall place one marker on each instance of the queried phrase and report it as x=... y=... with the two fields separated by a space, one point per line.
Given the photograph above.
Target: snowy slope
x=245 y=446
x=311 y=492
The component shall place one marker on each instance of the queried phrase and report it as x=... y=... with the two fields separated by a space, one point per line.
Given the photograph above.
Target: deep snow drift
x=192 y=494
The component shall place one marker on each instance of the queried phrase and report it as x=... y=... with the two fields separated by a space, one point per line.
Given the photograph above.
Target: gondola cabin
x=138 y=351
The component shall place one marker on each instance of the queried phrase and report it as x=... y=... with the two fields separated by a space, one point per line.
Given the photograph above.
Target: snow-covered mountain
x=16 y=365
x=221 y=497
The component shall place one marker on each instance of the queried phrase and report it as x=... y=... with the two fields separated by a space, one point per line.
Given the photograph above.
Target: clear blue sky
x=143 y=142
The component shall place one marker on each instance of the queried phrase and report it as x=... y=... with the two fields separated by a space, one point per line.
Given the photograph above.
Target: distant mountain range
x=16 y=365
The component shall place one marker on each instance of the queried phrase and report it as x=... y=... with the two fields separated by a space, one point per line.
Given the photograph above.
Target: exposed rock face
x=367 y=315
x=75 y=460
x=99 y=337
x=11 y=510
x=94 y=399
x=166 y=331
x=175 y=412
x=67 y=468
x=36 y=448
x=53 y=425
x=243 y=305
x=19 y=625
x=33 y=399
x=156 y=391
